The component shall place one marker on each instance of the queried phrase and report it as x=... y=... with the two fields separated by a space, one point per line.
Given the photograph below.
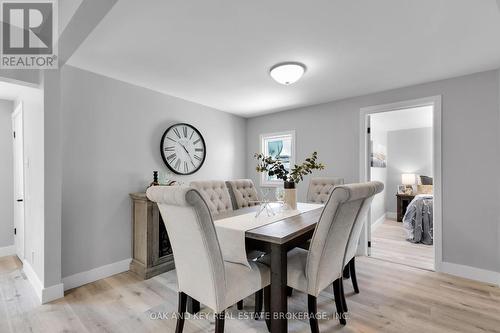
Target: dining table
x=275 y=239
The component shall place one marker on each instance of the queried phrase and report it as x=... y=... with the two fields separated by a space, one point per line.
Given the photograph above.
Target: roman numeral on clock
x=185 y=131
x=176 y=131
x=171 y=158
x=197 y=157
x=171 y=148
x=177 y=164
x=196 y=141
x=186 y=168
x=199 y=149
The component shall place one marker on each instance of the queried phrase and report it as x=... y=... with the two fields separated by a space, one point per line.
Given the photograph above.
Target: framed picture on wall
x=378 y=155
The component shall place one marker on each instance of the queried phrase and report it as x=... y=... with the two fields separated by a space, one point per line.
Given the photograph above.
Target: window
x=280 y=146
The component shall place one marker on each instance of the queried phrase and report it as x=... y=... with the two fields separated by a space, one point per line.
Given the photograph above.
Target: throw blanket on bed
x=418 y=220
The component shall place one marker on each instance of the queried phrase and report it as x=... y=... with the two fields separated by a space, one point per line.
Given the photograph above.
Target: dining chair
x=313 y=271
x=318 y=192
x=320 y=188
x=352 y=247
x=201 y=271
x=215 y=194
x=243 y=193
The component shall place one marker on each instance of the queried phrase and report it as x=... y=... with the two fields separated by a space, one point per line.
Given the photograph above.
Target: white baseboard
x=7 y=251
x=378 y=223
x=52 y=293
x=45 y=295
x=391 y=215
x=95 y=274
x=471 y=273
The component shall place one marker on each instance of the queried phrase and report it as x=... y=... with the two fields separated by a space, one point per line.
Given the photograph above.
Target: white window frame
x=264 y=182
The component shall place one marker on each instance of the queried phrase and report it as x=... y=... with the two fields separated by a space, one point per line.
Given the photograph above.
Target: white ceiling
x=218 y=53
x=402 y=119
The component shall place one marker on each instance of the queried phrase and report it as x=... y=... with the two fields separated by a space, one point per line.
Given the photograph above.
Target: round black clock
x=183 y=149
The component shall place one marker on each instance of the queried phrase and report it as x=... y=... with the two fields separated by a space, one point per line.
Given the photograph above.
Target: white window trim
x=263 y=179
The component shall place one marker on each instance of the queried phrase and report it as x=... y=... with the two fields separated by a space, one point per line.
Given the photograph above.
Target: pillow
x=426 y=180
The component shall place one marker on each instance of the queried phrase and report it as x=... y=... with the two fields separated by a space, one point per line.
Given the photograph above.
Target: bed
x=418 y=220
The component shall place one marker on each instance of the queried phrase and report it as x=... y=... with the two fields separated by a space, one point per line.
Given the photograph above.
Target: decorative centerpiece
x=274 y=167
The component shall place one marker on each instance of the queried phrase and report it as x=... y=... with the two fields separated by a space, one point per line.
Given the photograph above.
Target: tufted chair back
x=242 y=192
x=344 y=214
x=194 y=242
x=320 y=189
x=215 y=194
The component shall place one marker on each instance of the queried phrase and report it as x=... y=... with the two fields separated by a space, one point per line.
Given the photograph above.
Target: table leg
x=193 y=306
x=279 y=306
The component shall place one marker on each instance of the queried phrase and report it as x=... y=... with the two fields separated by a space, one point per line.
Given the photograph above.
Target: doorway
x=401 y=147
x=18 y=157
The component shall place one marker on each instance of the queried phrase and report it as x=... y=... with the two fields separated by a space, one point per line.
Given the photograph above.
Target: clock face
x=183 y=149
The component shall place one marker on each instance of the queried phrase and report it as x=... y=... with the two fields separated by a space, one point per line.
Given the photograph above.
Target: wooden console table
x=402 y=204
x=152 y=252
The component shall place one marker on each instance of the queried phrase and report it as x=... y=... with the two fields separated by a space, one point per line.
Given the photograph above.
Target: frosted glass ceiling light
x=287 y=73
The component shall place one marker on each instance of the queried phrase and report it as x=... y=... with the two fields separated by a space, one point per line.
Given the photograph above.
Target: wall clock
x=183 y=149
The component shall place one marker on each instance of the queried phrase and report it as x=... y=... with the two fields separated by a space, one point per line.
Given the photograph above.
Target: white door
x=17 y=126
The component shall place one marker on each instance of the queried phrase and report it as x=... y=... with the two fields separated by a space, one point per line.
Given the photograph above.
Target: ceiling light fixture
x=287 y=73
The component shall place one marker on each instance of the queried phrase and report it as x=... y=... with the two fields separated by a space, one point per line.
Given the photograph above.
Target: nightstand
x=403 y=200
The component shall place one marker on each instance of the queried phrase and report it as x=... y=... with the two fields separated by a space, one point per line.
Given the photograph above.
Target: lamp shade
x=408 y=178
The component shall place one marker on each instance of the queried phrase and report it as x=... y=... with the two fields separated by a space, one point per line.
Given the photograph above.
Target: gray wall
x=6 y=175
x=111 y=138
x=408 y=151
x=470 y=140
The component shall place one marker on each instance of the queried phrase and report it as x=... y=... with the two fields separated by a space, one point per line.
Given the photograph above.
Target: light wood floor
x=389 y=243
x=393 y=298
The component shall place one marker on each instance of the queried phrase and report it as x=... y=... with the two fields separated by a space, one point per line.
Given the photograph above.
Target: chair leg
x=193 y=306
x=313 y=311
x=219 y=322
x=344 y=303
x=267 y=307
x=258 y=303
x=289 y=291
x=338 y=302
x=352 y=268
x=182 y=311
x=346 y=271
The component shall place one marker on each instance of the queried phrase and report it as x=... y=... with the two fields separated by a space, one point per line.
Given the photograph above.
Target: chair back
x=216 y=195
x=329 y=245
x=352 y=246
x=243 y=193
x=320 y=188
x=197 y=254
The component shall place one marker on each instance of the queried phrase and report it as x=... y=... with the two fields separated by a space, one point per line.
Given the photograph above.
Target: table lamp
x=408 y=179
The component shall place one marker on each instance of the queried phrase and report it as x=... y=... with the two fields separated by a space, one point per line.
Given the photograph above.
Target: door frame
x=20 y=232
x=364 y=172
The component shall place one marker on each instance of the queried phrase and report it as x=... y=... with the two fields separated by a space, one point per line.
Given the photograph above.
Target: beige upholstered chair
x=320 y=189
x=334 y=240
x=219 y=200
x=198 y=255
x=243 y=193
x=215 y=193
